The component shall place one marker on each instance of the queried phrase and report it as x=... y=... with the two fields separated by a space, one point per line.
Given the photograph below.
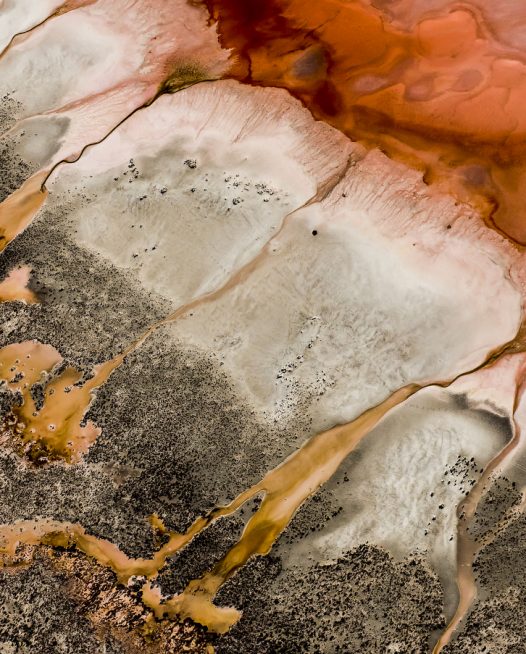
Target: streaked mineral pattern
x=262 y=342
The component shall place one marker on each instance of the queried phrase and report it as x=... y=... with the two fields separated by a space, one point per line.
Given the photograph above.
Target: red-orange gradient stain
x=440 y=85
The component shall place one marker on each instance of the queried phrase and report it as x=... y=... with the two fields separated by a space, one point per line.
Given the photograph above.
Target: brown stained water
x=18 y=210
x=54 y=430
x=23 y=364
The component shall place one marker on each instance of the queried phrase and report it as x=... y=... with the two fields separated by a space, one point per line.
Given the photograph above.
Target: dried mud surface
x=177 y=431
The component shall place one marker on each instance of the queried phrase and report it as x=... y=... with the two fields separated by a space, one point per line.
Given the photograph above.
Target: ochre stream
x=53 y=430
x=15 y=287
x=284 y=490
x=19 y=209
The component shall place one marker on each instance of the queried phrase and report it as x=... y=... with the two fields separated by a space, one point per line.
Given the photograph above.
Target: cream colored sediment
x=55 y=431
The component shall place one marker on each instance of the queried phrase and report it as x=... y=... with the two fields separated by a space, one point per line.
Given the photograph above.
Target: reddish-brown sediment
x=468 y=546
x=440 y=87
x=14 y=288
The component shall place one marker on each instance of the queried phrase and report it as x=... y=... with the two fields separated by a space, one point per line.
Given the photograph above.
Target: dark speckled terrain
x=177 y=438
x=13 y=169
x=497 y=622
x=364 y=602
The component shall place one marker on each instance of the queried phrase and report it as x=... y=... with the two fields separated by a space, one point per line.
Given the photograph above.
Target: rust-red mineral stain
x=439 y=85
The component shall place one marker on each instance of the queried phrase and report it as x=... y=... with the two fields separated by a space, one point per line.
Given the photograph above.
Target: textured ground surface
x=261 y=385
